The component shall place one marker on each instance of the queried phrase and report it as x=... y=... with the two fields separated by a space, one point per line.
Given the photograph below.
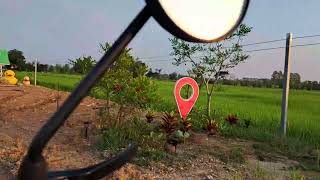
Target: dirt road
x=23 y=112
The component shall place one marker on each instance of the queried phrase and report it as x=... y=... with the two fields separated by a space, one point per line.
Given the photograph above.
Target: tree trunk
x=188 y=89
x=209 y=106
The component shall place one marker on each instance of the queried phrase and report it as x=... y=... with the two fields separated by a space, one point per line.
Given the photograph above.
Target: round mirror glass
x=205 y=20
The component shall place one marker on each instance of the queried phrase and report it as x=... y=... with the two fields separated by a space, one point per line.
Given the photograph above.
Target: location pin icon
x=185 y=105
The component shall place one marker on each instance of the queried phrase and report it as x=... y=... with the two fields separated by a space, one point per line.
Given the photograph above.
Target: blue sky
x=54 y=31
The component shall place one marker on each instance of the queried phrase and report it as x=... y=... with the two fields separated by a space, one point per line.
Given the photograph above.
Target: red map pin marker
x=185 y=105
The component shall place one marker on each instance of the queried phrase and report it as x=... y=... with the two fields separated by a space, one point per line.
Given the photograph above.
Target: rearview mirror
x=199 y=20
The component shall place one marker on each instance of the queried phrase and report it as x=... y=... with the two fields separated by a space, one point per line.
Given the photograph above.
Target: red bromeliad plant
x=186 y=125
x=232 y=119
x=169 y=123
x=212 y=127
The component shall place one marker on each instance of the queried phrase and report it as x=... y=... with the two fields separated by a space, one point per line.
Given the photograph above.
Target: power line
x=243 y=45
x=265 y=49
x=263 y=42
x=150 y=58
x=302 y=45
x=248 y=51
x=255 y=43
x=307 y=36
x=154 y=57
x=277 y=40
x=282 y=47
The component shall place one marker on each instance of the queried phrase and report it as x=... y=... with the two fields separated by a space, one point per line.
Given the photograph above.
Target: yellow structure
x=9 y=76
x=26 y=81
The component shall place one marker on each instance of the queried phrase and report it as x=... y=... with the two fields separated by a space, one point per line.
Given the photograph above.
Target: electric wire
x=155 y=58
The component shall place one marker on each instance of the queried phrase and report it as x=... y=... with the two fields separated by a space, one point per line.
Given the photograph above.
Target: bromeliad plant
x=186 y=125
x=232 y=119
x=183 y=133
x=169 y=126
x=211 y=126
x=169 y=123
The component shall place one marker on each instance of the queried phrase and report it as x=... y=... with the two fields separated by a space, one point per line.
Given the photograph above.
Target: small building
x=4 y=60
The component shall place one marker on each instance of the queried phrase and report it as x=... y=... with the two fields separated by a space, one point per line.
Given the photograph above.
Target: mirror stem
x=49 y=129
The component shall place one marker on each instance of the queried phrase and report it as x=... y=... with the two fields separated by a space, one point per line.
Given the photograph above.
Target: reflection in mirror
x=205 y=19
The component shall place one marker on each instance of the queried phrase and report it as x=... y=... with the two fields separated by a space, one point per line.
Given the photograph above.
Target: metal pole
x=35 y=72
x=286 y=85
x=58 y=96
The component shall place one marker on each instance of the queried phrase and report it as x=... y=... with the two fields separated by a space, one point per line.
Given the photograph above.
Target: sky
x=55 y=31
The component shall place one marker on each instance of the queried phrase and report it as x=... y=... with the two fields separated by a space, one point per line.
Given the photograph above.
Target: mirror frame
x=165 y=22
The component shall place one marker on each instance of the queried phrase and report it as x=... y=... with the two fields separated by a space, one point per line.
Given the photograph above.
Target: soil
x=23 y=111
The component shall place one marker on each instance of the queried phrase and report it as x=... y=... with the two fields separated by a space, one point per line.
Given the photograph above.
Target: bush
x=126 y=84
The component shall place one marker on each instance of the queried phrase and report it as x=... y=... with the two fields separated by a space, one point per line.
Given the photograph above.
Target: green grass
x=66 y=82
x=261 y=105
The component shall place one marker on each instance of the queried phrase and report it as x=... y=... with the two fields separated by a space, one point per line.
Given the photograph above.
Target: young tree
x=209 y=60
x=125 y=83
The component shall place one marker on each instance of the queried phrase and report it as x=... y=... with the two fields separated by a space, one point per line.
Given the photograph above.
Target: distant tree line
x=276 y=80
x=156 y=74
x=80 y=65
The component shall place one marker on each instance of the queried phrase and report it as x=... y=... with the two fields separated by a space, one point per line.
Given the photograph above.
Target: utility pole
x=286 y=85
x=35 y=72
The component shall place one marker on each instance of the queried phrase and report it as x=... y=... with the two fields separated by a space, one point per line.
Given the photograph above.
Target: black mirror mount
x=33 y=169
